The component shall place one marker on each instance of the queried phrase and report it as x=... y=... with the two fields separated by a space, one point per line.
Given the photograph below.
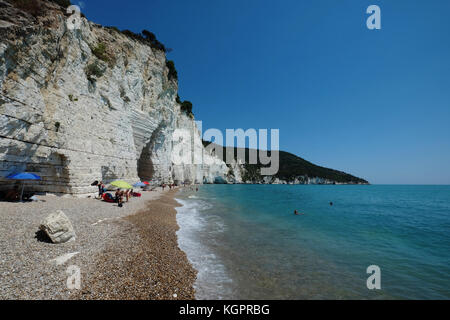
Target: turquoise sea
x=246 y=242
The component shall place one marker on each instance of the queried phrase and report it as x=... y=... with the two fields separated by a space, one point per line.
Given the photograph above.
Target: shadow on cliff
x=145 y=167
x=108 y=174
x=22 y=157
x=14 y=149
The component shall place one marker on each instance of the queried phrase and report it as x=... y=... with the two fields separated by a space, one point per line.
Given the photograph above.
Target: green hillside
x=291 y=166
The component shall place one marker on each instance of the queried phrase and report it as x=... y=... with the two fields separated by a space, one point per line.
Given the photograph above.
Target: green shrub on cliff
x=149 y=35
x=36 y=7
x=112 y=28
x=154 y=43
x=132 y=35
x=62 y=3
x=33 y=7
x=93 y=70
x=100 y=52
x=172 y=71
x=148 y=38
x=186 y=107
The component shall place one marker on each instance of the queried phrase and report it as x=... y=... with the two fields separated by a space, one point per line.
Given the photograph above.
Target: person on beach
x=101 y=189
x=119 y=197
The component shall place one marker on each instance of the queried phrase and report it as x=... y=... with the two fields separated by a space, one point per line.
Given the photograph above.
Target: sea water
x=246 y=242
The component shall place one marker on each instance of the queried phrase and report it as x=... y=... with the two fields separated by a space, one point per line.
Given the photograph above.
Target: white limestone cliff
x=73 y=118
x=192 y=163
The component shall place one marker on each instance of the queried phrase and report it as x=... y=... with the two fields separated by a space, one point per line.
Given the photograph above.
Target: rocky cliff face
x=97 y=104
x=191 y=162
x=89 y=104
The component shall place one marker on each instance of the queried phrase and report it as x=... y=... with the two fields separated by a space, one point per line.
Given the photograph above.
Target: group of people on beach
x=121 y=194
x=118 y=197
x=170 y=185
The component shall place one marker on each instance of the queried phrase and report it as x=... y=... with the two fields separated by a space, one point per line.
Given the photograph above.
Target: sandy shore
x=122 y=253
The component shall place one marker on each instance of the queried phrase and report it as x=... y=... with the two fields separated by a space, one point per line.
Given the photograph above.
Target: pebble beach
x=122 y=253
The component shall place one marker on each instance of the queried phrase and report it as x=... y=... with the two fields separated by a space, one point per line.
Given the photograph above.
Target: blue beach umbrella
x=139 y=184
x=23 y=176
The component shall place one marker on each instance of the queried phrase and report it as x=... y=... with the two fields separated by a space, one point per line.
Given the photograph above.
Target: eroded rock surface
x=58 y=227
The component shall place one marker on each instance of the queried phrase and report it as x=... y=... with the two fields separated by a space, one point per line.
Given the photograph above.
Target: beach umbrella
x=121 y=184
x=145 y=182
x=139 y=184
x=23 y=176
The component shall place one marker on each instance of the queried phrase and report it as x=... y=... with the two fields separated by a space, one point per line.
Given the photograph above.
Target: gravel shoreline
x=123 y=253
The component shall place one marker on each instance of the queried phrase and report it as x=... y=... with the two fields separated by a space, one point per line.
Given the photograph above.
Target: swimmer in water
x=331 y=203
x=297 y=213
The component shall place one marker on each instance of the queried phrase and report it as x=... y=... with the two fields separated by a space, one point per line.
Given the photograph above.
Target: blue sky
x=374 y=103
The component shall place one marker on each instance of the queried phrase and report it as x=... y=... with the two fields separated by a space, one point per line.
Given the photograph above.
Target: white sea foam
x=212 y=279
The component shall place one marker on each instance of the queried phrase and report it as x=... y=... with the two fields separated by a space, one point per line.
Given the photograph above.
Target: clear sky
x=374 y=103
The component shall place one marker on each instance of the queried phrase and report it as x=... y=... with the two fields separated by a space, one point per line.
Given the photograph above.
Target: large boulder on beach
x=58 y=227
